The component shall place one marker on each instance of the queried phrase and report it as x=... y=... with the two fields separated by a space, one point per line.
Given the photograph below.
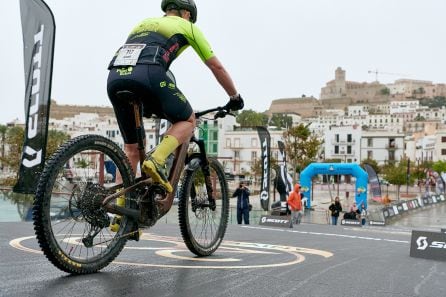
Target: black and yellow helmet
x=188 y=5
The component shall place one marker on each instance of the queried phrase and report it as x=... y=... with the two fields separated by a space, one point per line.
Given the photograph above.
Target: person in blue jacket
x=243 y=205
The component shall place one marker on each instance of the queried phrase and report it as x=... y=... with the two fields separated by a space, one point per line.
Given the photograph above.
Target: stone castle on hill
x=339 y=93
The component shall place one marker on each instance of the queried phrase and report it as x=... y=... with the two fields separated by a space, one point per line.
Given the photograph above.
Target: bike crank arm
x=115 y=238
x=115 y=209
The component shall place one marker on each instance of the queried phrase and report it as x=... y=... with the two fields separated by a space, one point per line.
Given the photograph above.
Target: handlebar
x=221 y=112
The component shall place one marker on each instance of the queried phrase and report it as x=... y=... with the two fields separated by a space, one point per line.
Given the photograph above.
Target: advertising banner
x=265 y=145
x=38 y=29
x=375 y=186
x=276 y=221
x=284 y=181
x=428 y=245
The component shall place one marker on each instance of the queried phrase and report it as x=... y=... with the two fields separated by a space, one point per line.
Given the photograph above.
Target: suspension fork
x=204 y=163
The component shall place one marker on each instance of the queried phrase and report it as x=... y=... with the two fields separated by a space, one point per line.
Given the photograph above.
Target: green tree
x=251 y=118
x=281 y=120
x=3 y=130
x=397 y=175
x=439 y=166
x=256 y=167
x=419 y=118
x=14 y=139
x=55 y=139
x=301 y=147
x=437 y=101
x=385 y=91
x=373 y=164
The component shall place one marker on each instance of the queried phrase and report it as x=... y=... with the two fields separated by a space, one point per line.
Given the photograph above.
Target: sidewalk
x=319 y=213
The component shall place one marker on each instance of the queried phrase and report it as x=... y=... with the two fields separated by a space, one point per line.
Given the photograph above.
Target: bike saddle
x=126 y=95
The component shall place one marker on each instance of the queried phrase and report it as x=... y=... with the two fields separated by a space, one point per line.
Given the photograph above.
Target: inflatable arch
x=336 y=169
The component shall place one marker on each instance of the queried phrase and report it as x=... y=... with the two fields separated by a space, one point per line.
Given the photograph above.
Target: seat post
x=139 y=133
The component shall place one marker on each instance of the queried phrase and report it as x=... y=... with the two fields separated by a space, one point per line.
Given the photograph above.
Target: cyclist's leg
x=125 y=117
x=173 y=106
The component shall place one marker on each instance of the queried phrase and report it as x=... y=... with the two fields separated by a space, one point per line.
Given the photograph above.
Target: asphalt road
x=308 y=260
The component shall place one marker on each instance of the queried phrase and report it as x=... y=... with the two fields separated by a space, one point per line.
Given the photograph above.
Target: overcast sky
x=272 y=49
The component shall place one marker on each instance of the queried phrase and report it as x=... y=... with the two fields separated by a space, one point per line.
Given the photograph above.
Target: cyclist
x=141 y=66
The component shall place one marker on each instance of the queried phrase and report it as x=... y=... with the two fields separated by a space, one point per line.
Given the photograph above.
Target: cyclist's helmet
x=188 y=5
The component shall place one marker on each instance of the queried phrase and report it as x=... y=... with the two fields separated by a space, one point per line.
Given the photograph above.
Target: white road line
x=329 y=234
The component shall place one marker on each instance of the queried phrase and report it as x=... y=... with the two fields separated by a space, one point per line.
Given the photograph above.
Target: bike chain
x=116 y=238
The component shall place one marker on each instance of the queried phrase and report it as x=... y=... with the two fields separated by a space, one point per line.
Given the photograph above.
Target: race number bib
x=128 y=54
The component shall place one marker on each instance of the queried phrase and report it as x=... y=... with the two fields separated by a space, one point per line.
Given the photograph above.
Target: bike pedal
x=135 y=235
x=115 y=224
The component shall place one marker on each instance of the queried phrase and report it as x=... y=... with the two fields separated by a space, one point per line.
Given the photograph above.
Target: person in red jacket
x=295 y=203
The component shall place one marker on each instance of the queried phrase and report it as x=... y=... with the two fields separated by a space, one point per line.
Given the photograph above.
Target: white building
x=404 y=106
x=242 y=149
x=382 y=146
x=343 y=142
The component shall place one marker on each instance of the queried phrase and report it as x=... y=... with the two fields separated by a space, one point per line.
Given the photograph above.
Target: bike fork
x=204 y=163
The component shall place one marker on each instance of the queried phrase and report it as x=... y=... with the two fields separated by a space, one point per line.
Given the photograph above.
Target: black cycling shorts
x=159 y=95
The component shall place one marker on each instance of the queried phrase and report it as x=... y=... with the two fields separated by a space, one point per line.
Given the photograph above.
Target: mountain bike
x=77 y=192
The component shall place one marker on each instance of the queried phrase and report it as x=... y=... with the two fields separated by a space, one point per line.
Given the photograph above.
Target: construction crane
x=376 y=72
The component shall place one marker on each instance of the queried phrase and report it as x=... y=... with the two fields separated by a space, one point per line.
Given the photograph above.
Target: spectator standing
x=242 y=194
x=363 y=213
x=335 y=209
x=295 y=203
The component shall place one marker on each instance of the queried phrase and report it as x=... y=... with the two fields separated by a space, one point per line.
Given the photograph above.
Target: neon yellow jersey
x=178 y=32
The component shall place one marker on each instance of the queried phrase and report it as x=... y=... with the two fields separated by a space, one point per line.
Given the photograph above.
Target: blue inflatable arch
x=336 y=169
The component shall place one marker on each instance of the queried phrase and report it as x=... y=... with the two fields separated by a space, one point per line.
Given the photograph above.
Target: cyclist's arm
x=223 y=77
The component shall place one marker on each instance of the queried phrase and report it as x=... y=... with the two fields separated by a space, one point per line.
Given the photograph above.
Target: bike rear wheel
x=72 y=228
x=203 y=227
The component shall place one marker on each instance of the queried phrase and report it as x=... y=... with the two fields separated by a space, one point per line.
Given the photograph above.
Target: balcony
x=344 y=142
x=391 y=147
x=342 y=153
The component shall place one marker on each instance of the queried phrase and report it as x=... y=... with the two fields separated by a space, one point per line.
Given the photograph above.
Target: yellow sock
x=167 y=146
x=120 y=201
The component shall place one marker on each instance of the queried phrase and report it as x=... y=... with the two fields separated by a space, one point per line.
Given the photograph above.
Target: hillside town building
x=355 y=121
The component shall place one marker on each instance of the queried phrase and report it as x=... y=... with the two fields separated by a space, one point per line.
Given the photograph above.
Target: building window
x=391 y=143
x=443 y=152
x=370 y=155
x=236 y=155
x=443 y=139
x=349 y=138
x=215 y=135
x=370 y=142
x=254 y=142
x=336 y=149
x=349 y=149
x=214 y=147
x=337 y=137
x=391 y=155
x=228 y=142
x=253 y=156
x=237 y=142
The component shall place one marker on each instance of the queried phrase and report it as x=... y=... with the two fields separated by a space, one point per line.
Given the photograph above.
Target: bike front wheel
x=203 y=221
x=72 y=228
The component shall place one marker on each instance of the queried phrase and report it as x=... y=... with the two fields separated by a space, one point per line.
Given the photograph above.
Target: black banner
x=265 y=144
x=288 y=181
x=428 y=245
x=39 y=29
x=375 y=186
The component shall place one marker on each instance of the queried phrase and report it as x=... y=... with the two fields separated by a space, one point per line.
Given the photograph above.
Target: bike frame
x=179 y=163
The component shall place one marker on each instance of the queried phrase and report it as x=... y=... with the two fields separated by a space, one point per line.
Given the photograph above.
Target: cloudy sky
x=272 y=49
